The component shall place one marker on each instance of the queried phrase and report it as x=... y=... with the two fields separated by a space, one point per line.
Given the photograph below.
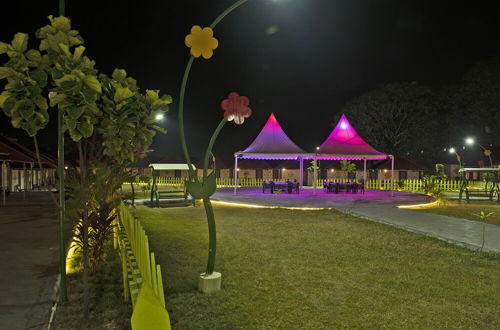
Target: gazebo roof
x=345 y=143
x=272 y=143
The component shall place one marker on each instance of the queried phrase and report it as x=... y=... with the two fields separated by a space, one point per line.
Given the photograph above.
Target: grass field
x=284 y=269
x=462 y=209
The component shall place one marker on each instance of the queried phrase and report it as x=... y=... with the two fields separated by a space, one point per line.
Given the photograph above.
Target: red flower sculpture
x=236 y=107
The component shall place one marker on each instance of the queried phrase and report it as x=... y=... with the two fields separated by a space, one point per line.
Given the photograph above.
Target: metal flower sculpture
x=202 y=43
x=236 y=108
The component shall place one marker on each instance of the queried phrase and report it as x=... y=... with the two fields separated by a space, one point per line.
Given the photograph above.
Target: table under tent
x=175 y=197
x=343 y=143
x=487 y=189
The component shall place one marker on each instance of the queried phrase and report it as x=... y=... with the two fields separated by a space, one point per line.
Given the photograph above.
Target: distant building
x=20 y=169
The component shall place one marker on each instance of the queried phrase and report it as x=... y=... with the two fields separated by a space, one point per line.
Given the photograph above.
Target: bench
x=488 y=191
x=171 y=195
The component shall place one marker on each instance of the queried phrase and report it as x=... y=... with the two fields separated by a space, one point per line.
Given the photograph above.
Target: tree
x=97 y=110
x=348 y=166
x=473 y=106
x=396 y=118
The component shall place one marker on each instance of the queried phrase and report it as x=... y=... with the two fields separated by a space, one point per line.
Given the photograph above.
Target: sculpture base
x=209 y=283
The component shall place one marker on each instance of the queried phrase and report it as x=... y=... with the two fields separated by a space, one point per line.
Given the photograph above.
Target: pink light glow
x=345 y=140
x=272 y=139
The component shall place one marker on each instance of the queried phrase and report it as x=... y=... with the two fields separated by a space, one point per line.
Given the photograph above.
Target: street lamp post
x=470 y=141
x=453 y=151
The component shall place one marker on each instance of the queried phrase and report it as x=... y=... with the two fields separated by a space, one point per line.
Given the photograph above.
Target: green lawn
x=462 y=209
x=318 y=269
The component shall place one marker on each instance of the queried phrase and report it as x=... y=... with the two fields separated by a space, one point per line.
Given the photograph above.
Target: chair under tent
x=176 y=197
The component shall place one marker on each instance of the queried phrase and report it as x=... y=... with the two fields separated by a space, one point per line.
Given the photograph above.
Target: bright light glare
x=469 y=141
x=452 y=150
x=317 y=148
x=159 y=116
x=343 y=125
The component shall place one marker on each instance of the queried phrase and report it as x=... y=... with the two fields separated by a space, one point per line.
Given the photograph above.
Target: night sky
x=321 y=54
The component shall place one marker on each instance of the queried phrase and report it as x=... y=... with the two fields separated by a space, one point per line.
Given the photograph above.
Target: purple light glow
x=272 y=139
x=344 y=140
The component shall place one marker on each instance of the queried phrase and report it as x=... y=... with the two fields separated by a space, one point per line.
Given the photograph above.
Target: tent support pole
x=315 y=177
x=235 y=173
x=392 y=176
x=301 y=175
x=364 y=172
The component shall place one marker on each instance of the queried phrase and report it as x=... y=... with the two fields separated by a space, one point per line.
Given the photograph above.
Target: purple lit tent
x=271 y=143
x=344 y=143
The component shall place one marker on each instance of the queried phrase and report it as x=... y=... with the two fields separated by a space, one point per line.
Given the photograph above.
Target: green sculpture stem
x=192 y=175
x=226 y=12
x=212 y=244
x=210 y=146
x=212 y=236
x=212 y=232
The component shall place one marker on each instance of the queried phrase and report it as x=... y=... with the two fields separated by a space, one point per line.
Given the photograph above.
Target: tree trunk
x=85 y=219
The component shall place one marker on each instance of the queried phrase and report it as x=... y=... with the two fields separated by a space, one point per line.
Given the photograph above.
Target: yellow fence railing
x=406 y=185
x=141 y=274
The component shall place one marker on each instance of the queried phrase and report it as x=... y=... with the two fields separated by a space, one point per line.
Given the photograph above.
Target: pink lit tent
x=345 y=143
x=271 y=143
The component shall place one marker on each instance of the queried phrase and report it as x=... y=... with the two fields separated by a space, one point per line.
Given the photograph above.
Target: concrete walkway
x=28 y=261
x=379 y=206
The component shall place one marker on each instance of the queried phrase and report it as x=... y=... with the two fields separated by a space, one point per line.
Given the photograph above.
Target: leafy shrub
x=144 y=178
x=431 y=186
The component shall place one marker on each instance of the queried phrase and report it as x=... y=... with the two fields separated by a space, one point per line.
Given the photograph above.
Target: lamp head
x=470 y=141
x=159 y=116
x=451 y=150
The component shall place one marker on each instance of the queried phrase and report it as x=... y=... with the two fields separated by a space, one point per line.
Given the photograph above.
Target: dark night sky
x=324 y=53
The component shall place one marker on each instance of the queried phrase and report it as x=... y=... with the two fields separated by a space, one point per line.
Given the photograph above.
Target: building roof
x=158 y=167
x=254 y=164
x=400 y=164
x=272 y=143
x=45 y=159
x=345 y=143
x=8 y=153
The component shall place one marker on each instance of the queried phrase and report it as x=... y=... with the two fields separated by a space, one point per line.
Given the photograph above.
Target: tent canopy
x=345 y=143
x=272 y=143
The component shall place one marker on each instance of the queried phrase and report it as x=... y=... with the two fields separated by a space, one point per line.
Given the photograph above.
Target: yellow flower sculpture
x=487 y=153
x=201 y=42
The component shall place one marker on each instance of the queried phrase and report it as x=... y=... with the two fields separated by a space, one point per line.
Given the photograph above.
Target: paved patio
x=29 y=260
x=379 y=206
